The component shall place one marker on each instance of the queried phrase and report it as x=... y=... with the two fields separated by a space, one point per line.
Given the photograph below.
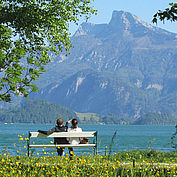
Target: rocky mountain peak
x=125 y=20
x=84 y=29
x=121 y=22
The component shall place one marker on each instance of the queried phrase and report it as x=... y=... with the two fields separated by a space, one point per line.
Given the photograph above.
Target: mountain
x=36 y=111
x=125 y=43
x=125 y=67
x=93 y=91
x=155 y=119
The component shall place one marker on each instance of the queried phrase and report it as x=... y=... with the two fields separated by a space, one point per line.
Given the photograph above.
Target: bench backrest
x=63 y=134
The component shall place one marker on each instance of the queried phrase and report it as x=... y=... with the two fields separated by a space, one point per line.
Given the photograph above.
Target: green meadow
x=125 y=163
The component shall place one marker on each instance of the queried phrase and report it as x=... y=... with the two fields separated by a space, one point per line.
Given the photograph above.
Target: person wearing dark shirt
x=58 y=128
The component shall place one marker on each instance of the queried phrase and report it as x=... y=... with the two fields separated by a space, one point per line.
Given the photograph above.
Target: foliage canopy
x=31 y=33
x=168 y=14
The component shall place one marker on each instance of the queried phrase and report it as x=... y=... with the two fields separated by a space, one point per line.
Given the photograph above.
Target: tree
x=167 y=14
x=31 y=33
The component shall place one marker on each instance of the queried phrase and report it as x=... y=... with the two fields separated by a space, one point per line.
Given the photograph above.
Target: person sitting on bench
x=74 y=128
x=58 y=128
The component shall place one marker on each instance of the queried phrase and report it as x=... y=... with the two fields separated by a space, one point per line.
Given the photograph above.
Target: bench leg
x=96 y=142
x=28 y=149
x=28 y=142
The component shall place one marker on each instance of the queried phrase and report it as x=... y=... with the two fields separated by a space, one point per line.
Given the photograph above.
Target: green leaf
x=34 y=28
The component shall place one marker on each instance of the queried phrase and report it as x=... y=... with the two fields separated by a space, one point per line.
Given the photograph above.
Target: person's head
x=59 y=121
x=74 y=123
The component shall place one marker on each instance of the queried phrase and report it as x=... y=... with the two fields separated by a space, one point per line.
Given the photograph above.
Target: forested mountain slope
x=36 y=111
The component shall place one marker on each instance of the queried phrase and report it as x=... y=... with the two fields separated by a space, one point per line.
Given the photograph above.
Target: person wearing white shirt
x=74 y=128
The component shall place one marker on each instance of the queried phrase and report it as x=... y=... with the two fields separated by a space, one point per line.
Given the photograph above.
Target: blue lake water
x=128 y=137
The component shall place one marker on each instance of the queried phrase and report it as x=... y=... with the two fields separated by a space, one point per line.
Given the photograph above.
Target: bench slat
x=61 y=145
x=63 y=134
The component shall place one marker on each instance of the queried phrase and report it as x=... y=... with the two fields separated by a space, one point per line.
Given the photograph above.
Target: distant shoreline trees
x=43 y=112
x=36 y=111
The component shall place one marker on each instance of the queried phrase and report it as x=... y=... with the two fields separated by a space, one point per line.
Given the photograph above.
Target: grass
x=125 y=163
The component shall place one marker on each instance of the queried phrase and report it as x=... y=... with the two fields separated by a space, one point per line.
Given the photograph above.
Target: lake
x=128 y=137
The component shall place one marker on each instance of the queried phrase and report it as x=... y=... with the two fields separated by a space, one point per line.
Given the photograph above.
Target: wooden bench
x=62 y=134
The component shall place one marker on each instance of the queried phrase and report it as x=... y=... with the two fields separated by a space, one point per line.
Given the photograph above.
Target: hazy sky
x=144 y=9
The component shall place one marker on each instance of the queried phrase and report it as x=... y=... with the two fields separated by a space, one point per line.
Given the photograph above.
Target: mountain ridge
x=125 y=67
x=140 y=60
x=121 y=21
